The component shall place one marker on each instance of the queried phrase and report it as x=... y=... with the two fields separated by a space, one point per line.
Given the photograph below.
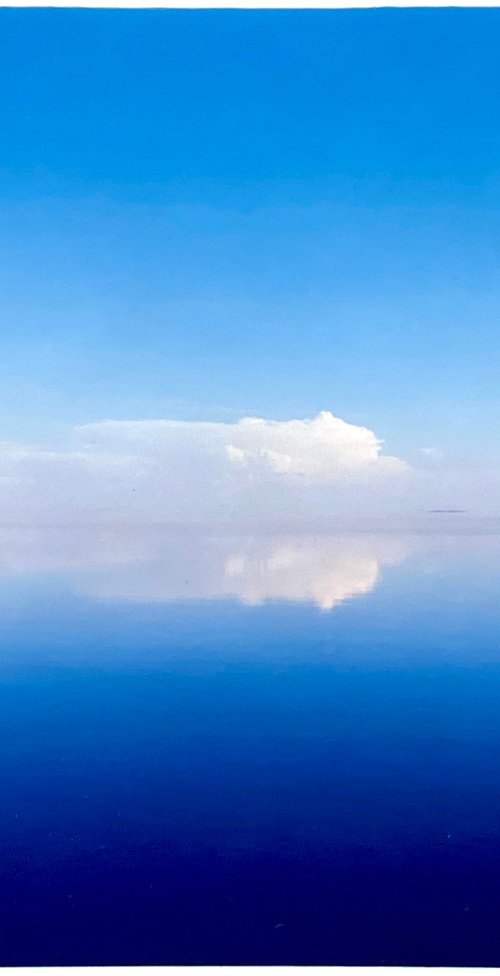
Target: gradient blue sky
x=212 y=214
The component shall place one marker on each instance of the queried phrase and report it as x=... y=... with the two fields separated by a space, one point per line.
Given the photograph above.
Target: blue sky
x=207 y=215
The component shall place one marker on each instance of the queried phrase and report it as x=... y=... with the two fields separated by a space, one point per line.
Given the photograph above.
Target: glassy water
x=249 y=749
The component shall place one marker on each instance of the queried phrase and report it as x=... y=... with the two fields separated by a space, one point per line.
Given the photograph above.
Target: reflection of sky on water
x=155 y=565
x=193 y=743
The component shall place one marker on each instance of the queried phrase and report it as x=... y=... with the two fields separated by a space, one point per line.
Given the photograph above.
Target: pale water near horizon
x=249 y=749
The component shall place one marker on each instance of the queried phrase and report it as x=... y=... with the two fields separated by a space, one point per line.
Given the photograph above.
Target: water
x=278 y=749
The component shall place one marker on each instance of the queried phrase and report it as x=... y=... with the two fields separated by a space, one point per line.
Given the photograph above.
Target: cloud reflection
x=153 y=564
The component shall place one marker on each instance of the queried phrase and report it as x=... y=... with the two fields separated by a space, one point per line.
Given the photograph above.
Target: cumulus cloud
x=164 y=470
x=323 y=449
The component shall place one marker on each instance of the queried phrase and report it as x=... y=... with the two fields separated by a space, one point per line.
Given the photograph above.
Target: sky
x=284 y=215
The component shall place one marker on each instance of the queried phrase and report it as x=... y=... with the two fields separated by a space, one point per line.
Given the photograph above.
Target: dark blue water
x=224 y=778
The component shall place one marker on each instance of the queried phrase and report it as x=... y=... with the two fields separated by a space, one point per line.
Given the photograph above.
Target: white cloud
x=324 y=449
x=163 y=470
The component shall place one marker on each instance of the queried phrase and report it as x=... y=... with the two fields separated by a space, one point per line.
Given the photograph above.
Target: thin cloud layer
x=163 y=470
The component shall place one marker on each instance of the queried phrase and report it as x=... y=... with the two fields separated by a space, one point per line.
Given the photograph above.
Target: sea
x=261 y=746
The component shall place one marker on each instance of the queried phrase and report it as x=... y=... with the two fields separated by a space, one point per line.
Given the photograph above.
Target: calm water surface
x=249 y=750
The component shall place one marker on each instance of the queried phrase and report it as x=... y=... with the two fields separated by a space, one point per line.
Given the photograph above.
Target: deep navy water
x=249 y=751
